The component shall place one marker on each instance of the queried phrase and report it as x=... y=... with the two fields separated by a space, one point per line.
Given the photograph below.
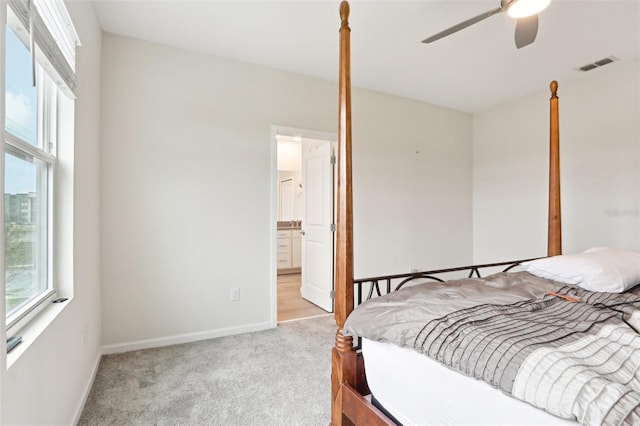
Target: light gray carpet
x=274 y=377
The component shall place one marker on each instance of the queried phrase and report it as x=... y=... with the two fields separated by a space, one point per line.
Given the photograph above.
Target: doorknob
x=302 y=233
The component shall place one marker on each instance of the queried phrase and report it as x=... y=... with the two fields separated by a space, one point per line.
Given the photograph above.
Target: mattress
x=419 y=391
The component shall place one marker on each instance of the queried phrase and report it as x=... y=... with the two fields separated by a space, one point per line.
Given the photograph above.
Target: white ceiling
x=468 y=71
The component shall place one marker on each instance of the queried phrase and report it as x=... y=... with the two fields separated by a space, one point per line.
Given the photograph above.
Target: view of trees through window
x=21 y=233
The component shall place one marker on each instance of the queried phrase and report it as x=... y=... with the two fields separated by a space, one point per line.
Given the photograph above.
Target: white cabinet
x=289 y=250
x=296 y=249
x=284 y=249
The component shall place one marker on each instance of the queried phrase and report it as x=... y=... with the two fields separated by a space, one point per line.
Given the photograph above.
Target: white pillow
x=597 y=269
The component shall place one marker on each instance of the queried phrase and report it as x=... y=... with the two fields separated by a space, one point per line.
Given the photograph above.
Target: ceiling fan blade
x=526 y=31
x=463 y=25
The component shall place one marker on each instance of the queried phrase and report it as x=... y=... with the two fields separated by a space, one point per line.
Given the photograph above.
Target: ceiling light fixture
x=524 y=8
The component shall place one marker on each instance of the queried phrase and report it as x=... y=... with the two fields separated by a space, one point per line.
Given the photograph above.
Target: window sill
x=34 y=329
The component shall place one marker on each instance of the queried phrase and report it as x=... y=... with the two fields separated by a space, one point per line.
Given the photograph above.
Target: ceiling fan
x=526 y=11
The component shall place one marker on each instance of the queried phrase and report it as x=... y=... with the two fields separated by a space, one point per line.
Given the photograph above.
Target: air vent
x=599 y=63
x=588 y=67
x=604 y=61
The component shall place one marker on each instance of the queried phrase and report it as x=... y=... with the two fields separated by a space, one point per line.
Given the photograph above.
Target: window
x=33 y=84
x=29 y=161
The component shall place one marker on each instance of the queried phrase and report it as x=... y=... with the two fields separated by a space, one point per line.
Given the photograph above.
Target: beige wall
x=411 y=185
x=289 y=156
x=600 y=167
x=187 y=187
x=48 y=383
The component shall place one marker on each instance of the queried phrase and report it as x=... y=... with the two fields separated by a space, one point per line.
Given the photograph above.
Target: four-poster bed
x=348 y=380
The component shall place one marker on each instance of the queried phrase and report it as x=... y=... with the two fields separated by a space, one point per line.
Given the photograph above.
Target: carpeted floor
x=275 y=377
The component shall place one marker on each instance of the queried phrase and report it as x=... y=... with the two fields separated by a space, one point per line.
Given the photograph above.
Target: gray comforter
x=576 y=360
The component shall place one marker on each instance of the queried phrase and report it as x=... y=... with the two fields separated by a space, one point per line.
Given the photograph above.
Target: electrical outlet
x=235 y=294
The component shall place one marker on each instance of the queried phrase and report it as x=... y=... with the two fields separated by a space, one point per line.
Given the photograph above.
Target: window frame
x=45 y=152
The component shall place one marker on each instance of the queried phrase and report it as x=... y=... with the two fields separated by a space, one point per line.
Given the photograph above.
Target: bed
x=397 y=385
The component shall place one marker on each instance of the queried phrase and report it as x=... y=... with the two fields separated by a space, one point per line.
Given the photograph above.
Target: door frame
x=277 y=130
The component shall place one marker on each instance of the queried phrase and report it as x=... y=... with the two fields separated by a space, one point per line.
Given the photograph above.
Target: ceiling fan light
x=524 y=8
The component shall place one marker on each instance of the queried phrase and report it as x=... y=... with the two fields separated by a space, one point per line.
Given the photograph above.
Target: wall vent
x=599 y=63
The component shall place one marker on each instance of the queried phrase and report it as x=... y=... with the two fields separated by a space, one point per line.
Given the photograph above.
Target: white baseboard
x=184 y=338
x=87 y=389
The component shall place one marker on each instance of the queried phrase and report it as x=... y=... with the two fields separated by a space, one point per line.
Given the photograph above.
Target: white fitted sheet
x=419 y=391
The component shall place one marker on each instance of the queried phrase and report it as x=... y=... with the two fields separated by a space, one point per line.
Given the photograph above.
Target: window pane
x=25 y=225
x=21 y=104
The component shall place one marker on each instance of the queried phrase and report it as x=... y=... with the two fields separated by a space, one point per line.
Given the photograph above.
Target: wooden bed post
x=554 y=237
x=345 y=389
x=343 y=367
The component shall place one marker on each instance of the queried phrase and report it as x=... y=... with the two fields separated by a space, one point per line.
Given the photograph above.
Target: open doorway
x=304 y=187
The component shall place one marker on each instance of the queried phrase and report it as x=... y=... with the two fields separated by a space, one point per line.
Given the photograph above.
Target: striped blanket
x=570 y=359
x=576 y=360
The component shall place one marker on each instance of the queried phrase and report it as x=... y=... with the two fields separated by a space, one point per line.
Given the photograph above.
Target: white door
x=317 y=218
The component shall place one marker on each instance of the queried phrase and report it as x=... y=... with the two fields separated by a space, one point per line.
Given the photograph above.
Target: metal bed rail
x=395 y=282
